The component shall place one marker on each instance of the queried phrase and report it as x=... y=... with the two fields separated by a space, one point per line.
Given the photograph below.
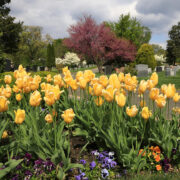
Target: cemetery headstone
x=158 y=69
x=34 y=68
x=42 y=68
x=149 y=70
x=142 y=70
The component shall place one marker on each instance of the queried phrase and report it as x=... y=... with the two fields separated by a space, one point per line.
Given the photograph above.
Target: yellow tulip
x=99 y=101
x=176 y=110
x=120 y=99
x=130 y=82
x=146 y=113
x=5 y=134
x=109 y=93
x=56 y=92
x=142 y=103
x=7 y=91
x=58 y=80
x=34 y=85
x=154 y=93
x=82 y=83
x=121 y=77
x=142 y=86
x=65 y=69
x=48 y=78
x=176 y=97
x=97 y=89
x=154 y=78
x=7 y=79
x=18 y=97
x=3 y=104
x=49 y=98
x=171 y=90
x=132 y=111
x=19 y=116
x=73 y=84
x=68 y=115
x=90 y=90
x=49 y=118
x=150 y=84
x=164 y=88
x=35 y=98
x=16 y=89
x=79 y=75
x=114 y=81
x=88 y=75
x=19 y=83
x=161 y=101
x=94 y=81
x=103 y=80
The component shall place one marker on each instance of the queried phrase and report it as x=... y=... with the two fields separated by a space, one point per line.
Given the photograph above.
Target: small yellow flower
x=161 y=101
x=132 y=111
x=176 y=97
x=97 y=89
x=19 y=116
x=154 y=78
x=120 y=99
x=142 y=86
x=5 y=134
x=154 y=93
x=3 y=104
x=35 y=98
x=49 y=118
x=171 y=90
x=114 y=81
x=8 y=79
x=146 y=113
x=68 y=115
x=99 y=101
x=18 y=97
x=109 y=93
x=103 y=80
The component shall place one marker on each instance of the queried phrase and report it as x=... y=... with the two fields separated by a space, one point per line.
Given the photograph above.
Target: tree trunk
x=100 y=68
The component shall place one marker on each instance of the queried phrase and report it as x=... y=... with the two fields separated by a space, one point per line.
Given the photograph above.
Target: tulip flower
x=58 y=80
x=150 y=84
x=99 y=101
x=8 y=79
x=7 y=91
x=103 y=80
x=132 y=111
x=73 y=84
x=97 y=89
x=176 y=97
x=18 y=97
x=142 y=103
x=35 y=98
x=94 y=81
x=154 y=93
x=88 y=75
x=171 y=90
x=120 y=99
x=3 y=104
x=48 y=78
x=154 y=78
x=49 y=98
x=121 y=77
x=5 y=134
x=114 y=81
x=19 y=83
x=146 y=113
x=109 y=93
x=68 y=115
x=79 y=75
x=142 y=86
x=161 y=101
x=82 y=83
x=49 y=118
x=164 y=88
x=64 y=70
x=19 y=116
x=16 y=89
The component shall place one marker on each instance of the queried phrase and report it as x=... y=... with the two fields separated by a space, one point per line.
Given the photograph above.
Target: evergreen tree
x=50 y=56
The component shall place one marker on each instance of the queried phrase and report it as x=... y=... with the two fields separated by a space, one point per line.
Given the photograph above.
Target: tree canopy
x=98 y=43
x=130 y=28
x=173 y=44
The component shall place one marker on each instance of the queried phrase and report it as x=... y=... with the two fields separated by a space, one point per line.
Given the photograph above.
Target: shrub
x=145 y=55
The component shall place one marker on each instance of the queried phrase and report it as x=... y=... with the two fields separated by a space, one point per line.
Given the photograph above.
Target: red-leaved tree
x=98 y=43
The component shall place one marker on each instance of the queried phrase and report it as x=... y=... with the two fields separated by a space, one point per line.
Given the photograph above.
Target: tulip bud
x=3 y=104
x=35 y=98
x=146 y=113
x=18 y=97
x=176 y=97
x=97 y=89
x=49 y=118
x=161 y=101
x=120 y=99
x=154 y=78
x=5 y=134
x=7 y=79
x=154 y=93
x=171 y=90
x=132 y=111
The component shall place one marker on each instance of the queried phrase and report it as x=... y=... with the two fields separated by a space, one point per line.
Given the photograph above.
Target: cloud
x=56 y=16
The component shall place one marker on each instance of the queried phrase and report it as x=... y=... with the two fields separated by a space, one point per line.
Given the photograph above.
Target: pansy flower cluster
x=102 y=165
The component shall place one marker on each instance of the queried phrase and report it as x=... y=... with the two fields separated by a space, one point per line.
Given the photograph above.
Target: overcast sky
x=55 y=16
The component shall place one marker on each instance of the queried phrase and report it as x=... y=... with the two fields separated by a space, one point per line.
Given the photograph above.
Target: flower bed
x=39 y=121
